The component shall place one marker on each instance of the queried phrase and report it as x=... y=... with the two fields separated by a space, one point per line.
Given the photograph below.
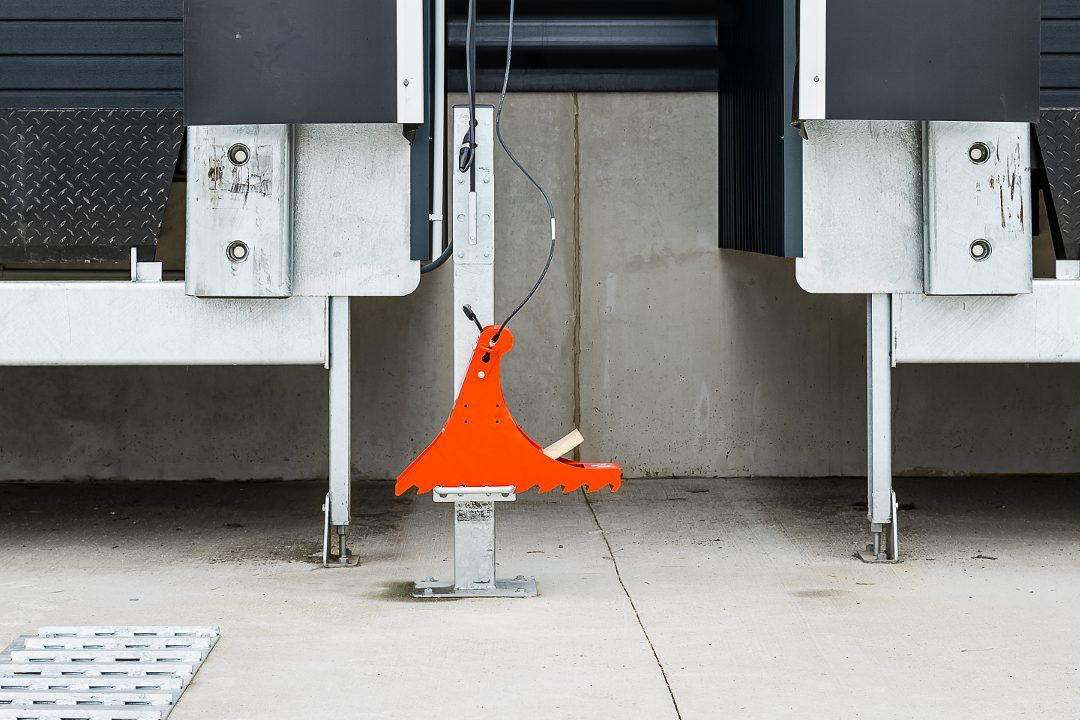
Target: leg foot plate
x=868 y=556
x=519 y=587
x=351 y=560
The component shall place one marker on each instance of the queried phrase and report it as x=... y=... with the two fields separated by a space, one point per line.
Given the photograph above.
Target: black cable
x=467 y=151
x=438 y=262
x=551 y=208
x=467 y=309
x=471 y=41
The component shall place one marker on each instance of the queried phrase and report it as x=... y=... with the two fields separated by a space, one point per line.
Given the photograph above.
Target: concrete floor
x=746 y=600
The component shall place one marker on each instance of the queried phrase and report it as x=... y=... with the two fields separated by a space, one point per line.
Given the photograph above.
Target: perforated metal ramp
x=100 y=673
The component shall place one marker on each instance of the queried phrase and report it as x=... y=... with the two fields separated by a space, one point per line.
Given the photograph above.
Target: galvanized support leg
x=340 y=424
x=474 y=545
x=474 y=548
x=880 y=499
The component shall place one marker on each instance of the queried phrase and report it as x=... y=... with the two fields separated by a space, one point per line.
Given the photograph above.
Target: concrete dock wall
x=673 y=357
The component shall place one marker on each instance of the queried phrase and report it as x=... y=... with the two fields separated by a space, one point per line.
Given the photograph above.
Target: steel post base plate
x=888 y=540
x=519 y=587
x=353 y=560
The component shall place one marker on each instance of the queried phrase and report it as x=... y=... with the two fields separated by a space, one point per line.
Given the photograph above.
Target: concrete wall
x=673 y=357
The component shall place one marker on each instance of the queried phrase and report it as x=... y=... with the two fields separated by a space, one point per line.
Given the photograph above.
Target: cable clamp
x=435 y=218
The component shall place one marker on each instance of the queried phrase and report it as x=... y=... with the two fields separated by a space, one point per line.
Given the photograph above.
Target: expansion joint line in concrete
x=615 y=564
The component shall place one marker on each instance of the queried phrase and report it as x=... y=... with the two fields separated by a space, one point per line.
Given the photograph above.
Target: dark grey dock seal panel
x=971 y=60
x=270 y=62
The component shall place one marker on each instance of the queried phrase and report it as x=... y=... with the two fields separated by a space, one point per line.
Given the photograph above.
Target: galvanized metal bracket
x=239 y=211
x=474 y=212
x=958 y=219
x=498 y=493
x=852 y=241
x=474 y=547
x=978 y=192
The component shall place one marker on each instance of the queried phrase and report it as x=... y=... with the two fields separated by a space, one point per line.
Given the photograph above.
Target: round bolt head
x=979 y=153
x=460 y=254
x=237 y=251
x=405 y=82
x=487 y=179
x=239 y=154
x=980 y=250
x=481 y=375
x=817 y=79
x=460 y=180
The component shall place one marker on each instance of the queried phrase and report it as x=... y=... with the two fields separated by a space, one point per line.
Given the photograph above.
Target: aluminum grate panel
x=100 y=673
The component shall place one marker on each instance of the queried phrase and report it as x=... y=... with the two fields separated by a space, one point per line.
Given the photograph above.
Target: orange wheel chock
x=482 y=445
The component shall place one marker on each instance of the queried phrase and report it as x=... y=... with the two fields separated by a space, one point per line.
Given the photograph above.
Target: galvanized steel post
x=879 y=498
x=340 y=419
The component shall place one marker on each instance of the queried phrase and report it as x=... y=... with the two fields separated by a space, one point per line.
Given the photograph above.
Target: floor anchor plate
x=518 y=587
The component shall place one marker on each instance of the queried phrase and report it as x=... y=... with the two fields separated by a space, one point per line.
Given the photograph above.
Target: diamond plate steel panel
x=84 y=185
x=1059 y=141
